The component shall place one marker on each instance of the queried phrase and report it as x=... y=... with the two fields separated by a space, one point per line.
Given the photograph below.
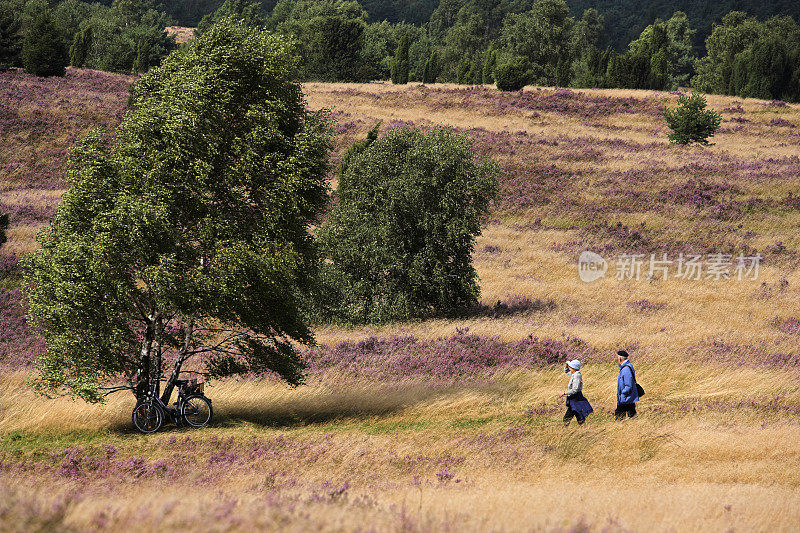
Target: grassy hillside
x=455 y=423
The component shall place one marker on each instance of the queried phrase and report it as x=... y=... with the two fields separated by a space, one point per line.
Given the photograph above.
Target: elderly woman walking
x=577 y=405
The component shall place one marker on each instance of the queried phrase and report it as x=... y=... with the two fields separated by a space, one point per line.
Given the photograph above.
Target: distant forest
x=625 y=19
x=748 y=48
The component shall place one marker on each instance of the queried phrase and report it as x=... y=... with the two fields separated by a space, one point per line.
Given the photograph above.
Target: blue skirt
x=579 y=404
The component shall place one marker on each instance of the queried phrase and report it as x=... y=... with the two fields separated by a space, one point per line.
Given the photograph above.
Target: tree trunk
x=143 y=377
x=158 y=334
x=182 y=356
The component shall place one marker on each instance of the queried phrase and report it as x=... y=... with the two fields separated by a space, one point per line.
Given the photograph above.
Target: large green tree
x=667 y=45
x=189 y=236
x=543 y=36
x=398 y=244
x=43 y=49
x=249 y=12
x=329 y=36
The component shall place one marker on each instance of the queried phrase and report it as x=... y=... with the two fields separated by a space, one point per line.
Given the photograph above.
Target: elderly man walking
x=627 y=392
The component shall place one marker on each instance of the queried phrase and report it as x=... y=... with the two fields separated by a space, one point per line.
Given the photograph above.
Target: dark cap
x=623 y=353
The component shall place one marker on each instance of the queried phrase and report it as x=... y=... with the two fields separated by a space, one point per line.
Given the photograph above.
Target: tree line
x=510 y=42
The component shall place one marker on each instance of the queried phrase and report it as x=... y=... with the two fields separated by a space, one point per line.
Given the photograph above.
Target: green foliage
x=190 y=234
x=248 y=12
x=752 y=59
x=69 y=15
x=463 y=72
x=489 y=64
x=626 y=18
x=591 y=69
x=400 y=64
x=513 y=75
x=664 y=51
x=543 y=36
x=431 y=71
x=329 y=36
x=80 y=47
x=10 y=37
x=129 y=36
x=690 y=121
x=43 y=50
x=142 y=62
x=357 y=148
x=589 y=32
x=398 y=244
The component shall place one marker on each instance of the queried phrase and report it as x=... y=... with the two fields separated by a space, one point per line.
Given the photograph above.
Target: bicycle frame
x=154 y=395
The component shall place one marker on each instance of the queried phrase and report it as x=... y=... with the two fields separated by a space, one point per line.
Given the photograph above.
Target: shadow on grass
x=515 y=305
x=357 y=404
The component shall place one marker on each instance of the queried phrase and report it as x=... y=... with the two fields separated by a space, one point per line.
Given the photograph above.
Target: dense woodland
x=738 y=47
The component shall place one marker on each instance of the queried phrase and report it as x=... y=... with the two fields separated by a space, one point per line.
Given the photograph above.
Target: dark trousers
x=623 y=409
x=569 y=414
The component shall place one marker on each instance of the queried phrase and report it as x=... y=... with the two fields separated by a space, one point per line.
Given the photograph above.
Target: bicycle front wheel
x=196 y=411
x=147 y=417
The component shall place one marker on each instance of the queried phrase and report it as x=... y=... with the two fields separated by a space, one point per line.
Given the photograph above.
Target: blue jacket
x=626 y=384
x=578 y=403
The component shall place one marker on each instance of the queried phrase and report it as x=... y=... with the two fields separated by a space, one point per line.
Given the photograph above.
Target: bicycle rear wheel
x=147 y=417
x=196 y=411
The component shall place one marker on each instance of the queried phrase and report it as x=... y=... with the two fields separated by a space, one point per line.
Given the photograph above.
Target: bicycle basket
x=193 y=387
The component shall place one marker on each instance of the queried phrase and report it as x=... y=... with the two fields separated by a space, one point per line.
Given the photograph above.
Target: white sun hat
x=575 y=364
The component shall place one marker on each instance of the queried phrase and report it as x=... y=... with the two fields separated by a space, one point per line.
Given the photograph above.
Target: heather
x=40 y=118
x=454 y=421
x=462 y=357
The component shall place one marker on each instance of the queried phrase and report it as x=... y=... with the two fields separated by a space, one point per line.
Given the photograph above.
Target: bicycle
x=192 y=407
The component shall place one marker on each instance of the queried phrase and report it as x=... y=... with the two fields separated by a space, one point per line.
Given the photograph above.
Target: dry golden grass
x=667 y=470
x=715 y=446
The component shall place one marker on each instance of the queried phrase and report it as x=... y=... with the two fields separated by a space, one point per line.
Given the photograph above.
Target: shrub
x=690 y=121
x=431 y=71
x=513 y=75
x=400 y=63
x=399 y=242
x=43 y=50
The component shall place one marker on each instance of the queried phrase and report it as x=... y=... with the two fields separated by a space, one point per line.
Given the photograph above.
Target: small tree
x=464 y=71
x=357 y=147
x=400 y=63
x=399 y=242
x=690 y=121
x=513 y=75
x=142 y=61
x=43 y=49
x=489 y=65
x=79 y=50
x=189 y=237
x=476 y=73
x=431 y=71
x=10 y=38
